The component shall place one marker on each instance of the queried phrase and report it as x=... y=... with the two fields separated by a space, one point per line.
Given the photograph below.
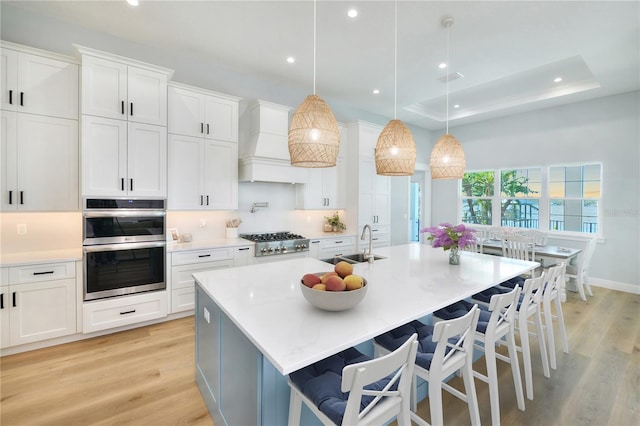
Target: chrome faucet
x=368 y=255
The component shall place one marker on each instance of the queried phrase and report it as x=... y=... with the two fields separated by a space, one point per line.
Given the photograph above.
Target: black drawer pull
x=1 y=300
x=244 y=248
x=204 y=255
x=10 y=97
x=122 y=107
x=13 y=296
x=127 y=312
x=339 y=242
x=43 y=273
x=315 y=242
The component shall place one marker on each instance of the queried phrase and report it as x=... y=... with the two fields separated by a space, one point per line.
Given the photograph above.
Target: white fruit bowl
x=334 y=300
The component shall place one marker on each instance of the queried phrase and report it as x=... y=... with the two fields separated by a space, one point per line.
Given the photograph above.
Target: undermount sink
x=351 y=258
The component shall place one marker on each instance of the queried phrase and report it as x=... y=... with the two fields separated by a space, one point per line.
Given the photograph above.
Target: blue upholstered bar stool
x=443 y=349
x=350 y=388
x=496 y=326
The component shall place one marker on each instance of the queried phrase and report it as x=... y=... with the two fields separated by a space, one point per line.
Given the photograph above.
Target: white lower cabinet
x=184 y=264
x=119 y=311
x=337 y=246
x=37 y=302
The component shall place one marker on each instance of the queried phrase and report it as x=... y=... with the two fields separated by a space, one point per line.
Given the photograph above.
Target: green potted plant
x=334 y=223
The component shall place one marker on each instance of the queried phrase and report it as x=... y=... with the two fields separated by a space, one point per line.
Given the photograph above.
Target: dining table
x=254 y=326
x=546 y=254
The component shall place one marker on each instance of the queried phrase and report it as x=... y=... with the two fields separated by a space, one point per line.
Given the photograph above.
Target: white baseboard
x=615 y=285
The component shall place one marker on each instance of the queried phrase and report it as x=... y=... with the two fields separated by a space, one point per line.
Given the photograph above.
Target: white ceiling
x=509 y=52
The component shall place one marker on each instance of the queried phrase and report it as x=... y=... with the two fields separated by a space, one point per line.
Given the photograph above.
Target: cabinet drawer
x=337 y=251
x=199 y=256
x=183 y=299
x=41 y=272
x=181 y=275
x=110 y=313
x=337 y=242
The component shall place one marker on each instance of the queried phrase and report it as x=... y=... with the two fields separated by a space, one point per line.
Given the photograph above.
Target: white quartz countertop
x=266 y=303
x=209 y=244
x=42 y=256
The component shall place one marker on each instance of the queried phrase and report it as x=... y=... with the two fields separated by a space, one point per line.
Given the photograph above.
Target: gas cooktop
x=273 y=236
x=277 y=243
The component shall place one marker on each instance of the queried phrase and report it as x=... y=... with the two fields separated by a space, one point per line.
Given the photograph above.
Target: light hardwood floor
x=146 y=377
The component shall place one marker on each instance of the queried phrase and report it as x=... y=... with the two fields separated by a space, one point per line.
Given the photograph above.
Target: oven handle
x=123 y=246
x=124 y=213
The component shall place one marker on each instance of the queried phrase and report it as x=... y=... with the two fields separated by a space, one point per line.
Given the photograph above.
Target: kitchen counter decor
x=334 y=224
x=452 y=238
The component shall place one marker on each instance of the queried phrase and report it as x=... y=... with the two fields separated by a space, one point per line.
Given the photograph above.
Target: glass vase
x=454 y=256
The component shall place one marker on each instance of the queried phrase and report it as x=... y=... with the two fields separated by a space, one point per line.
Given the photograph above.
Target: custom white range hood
x=263 y=152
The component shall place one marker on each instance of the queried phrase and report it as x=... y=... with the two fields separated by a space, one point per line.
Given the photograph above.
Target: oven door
x=120 y=269
x=107 y=227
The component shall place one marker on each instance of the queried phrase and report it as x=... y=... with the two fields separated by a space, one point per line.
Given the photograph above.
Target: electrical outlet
x=207 y=316
x=203 y=223
x=22 y=228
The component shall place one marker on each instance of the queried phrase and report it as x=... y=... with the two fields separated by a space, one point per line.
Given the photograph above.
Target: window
x=554 y=198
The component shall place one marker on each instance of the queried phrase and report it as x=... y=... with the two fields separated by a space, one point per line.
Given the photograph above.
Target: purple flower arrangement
x=448 y=236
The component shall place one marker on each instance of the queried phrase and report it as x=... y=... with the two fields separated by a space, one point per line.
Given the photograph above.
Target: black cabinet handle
x=243 y=249
x=10 y=97
x=204 y=255
x=207 y=128
x=315 y=242
x=201 y=127
x=132 y=109
x=1 y=300
x=201 y=200
x=131 y=184
x=21 y=98
x=21 y=197
x=207 y=200
x=43 y=273
x=122 y=107
x=14 y=302
x=122 y=184
x=10 y=197
x=339 y=242
x=127 y=312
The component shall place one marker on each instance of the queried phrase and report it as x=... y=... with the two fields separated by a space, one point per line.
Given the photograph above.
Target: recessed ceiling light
x=557 y=79
x=290 y=59
x=352 y=13
x=133 y=2
x=456 y=106
x=376 y=91
x=442 y=66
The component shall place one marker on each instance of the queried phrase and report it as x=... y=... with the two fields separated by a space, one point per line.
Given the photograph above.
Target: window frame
x=544 y=199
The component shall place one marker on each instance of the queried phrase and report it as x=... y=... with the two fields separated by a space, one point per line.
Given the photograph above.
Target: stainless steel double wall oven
x=124 y=247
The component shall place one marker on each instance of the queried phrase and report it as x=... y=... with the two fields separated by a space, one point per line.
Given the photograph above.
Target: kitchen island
x=253 y=325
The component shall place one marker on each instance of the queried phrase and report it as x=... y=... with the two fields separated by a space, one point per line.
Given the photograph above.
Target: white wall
x=605 y=130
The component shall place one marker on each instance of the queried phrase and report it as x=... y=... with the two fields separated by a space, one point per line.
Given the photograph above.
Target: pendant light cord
x=448 y=73
x=395 y=64
x=314 y=47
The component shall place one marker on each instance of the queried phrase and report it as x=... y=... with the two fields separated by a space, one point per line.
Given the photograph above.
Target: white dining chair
x=448 y=349
x=580 y=272
x=497 y=329
x=551 y=298
x=350 y=388
x=518 y=247
x=539 y=237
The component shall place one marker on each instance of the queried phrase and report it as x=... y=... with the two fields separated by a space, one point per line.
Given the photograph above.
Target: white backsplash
x=44 y=231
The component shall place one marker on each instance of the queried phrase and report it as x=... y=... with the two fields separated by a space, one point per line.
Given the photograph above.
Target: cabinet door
x=104 y=157
x=8 y=79
x=242 y=256
x=147 y=96
x=147 y=160
x=221 y=175
x=47 y=86
x=186 y=112
x=309 y=195
x=42 y=310
x=9 y=177
x=221 y=119
x=47 y=163
x=330 y=186
x=104 y=88
x=5 y=331
x=186 y=172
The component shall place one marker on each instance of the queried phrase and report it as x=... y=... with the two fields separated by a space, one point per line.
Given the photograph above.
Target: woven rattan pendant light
x=395 y=149
x=447 y=157
x=314 y=138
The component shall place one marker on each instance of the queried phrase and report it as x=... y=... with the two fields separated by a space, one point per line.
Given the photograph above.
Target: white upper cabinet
x=38 y=83
x=123 y=159
x=39 y=163
x=123 y=89
x=197 y=112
